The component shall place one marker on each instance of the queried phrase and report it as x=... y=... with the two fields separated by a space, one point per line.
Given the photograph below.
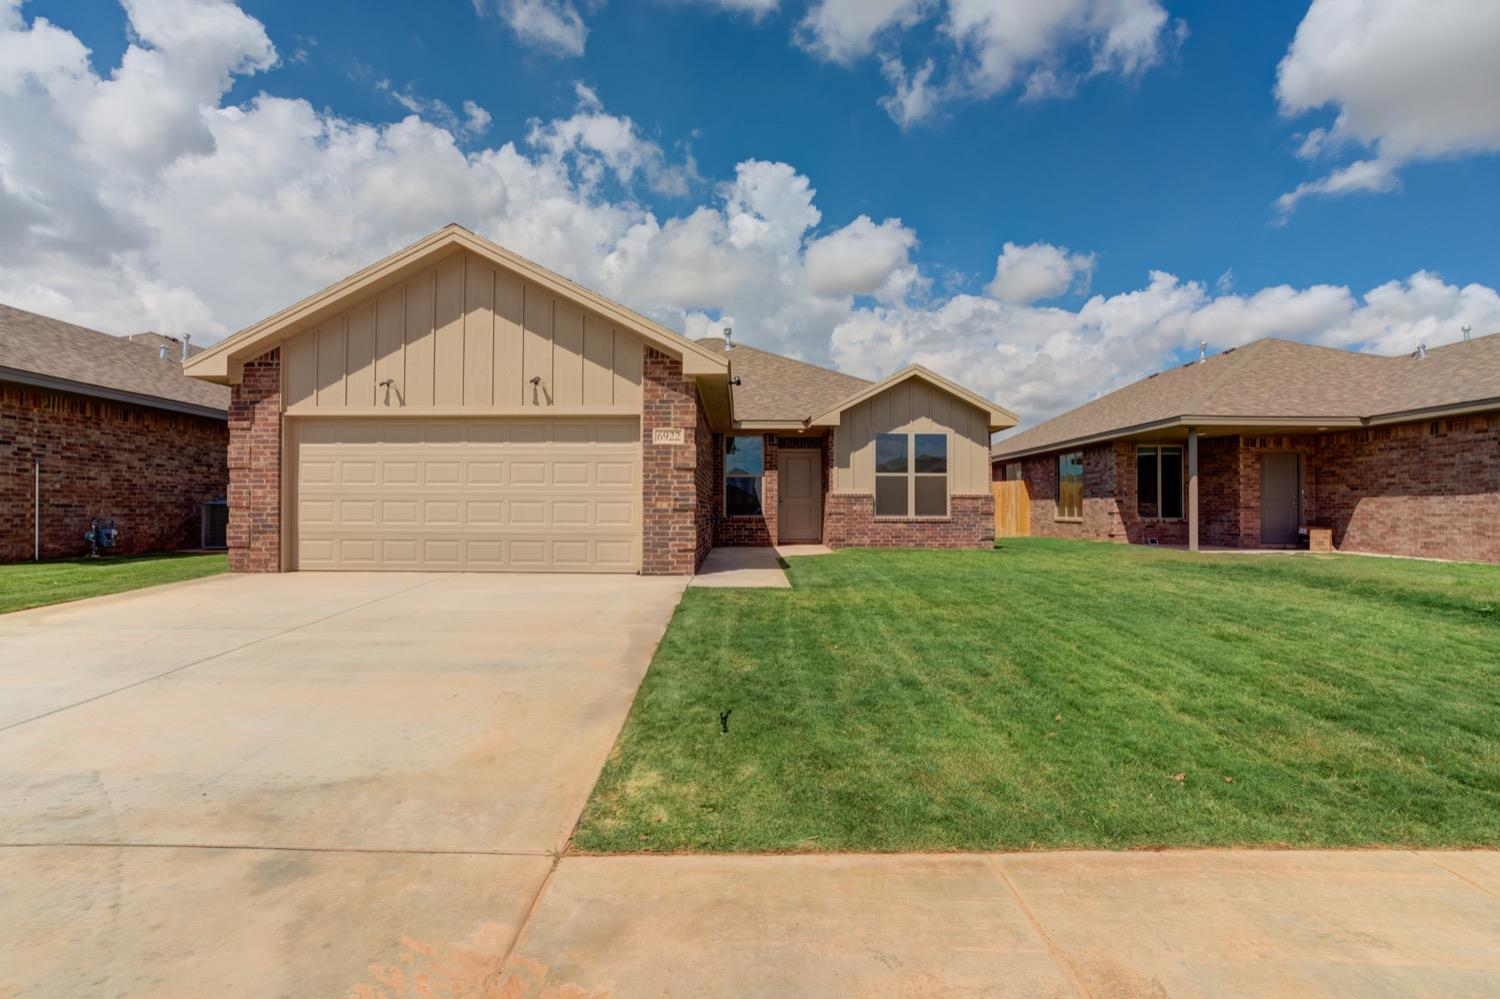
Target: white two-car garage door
x=523 y=494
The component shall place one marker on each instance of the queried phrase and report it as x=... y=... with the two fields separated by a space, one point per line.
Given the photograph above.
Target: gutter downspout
x=36 y=509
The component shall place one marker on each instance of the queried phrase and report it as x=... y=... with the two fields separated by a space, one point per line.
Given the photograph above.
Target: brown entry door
x=1280 y=497
x=801 y=486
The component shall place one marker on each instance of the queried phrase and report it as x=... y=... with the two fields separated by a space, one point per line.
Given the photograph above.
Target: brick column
x=254 y=532
x=669 y=472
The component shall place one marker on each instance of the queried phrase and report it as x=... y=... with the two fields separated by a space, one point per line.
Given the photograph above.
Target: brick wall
x=1109 y=496
x=849 y=521
x=255 y=467
x=671 y=541
x=148 y=469
x=705 y=440
x=1430 y=489
x=1102 y=518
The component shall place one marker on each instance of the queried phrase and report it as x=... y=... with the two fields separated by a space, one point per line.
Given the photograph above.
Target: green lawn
x=1067 y=694
x=35 y=584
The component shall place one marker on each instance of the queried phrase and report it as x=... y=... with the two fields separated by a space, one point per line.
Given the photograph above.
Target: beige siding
x=913 y=406
x=464 y=336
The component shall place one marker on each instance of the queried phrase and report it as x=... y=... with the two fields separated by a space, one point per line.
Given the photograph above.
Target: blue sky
x=1166 y=152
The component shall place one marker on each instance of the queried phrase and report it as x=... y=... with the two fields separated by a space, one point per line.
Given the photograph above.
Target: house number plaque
x=668 y=435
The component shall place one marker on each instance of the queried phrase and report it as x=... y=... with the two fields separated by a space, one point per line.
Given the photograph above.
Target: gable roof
x=774 y=388
x=49 y=353
x=999 y=417
x=1274 y=382
x=223 y=361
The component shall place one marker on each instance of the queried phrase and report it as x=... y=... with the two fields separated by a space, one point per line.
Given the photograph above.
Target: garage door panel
x=560 y=495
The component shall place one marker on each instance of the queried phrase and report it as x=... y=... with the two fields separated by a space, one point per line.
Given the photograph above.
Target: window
x=911 y=475
x=1070 y=486
x=1158 y=482
x=1013 y=472
x=744 y=466
x=892 y=470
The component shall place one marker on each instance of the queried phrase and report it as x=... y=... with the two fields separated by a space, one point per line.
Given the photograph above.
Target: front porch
x=1198 y=490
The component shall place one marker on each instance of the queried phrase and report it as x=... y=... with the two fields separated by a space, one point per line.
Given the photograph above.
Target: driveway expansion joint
x=1058 y=957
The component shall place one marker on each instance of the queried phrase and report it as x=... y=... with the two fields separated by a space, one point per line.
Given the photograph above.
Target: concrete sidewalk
x=1181 y=923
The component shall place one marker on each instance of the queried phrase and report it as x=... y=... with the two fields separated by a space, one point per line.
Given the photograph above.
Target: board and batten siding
x=464 y=336
x=913 y=406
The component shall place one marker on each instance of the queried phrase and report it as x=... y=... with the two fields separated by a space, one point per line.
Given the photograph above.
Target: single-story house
x=456 y=406
x=1252 y=447
x=93 y=425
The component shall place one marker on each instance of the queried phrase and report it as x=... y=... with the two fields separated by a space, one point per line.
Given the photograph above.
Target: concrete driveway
x=279 y=785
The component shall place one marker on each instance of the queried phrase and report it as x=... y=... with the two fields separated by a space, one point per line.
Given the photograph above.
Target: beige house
x=456 y=406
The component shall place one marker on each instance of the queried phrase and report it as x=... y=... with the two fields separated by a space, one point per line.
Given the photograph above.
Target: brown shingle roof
x=777 y=388
x=1273 y=379
x=40 y=350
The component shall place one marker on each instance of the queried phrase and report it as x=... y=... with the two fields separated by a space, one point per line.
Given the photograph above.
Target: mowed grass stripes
x=1065 y=694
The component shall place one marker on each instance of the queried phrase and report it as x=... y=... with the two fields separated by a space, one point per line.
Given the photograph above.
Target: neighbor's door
x=1280 y=497
x=801 y=487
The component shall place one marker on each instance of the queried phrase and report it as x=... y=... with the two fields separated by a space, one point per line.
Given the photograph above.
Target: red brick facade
x=147 y=469
x=673 y=539
x=849 y=521
x=1428 y=489
x=255 y=467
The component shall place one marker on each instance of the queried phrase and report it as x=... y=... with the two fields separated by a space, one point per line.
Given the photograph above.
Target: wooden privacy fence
x=1012 y=509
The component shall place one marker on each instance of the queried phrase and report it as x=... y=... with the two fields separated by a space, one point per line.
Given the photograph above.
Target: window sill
x=744 y=516
x=1161 y=520
x=913 y=520
x=1067 y=520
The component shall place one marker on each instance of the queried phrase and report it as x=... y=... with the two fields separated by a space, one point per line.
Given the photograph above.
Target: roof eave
x=36 y=380
x=999 y=453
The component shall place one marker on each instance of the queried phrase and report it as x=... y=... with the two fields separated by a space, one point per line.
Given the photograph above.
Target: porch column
x=1192 y=496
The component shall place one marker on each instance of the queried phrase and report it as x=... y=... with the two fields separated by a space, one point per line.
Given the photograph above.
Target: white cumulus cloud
x=1410 y=80
x=235 y=210
x=1039 y=270
x=986 y=47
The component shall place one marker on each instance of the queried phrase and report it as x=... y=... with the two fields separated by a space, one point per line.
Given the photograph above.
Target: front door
x=800 y=509
x=1280 y=497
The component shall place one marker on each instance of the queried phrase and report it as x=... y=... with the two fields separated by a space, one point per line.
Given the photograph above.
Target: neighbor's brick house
x=455 y=406
x=1393 y=455
x=93 y=425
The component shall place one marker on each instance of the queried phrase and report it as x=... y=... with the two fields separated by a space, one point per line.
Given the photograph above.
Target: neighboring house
x=455 y=406
x=93 y=425
x=1396 y=455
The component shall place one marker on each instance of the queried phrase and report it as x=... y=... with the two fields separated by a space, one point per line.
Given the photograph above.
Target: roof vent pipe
x=1421 y=351
x=1202 y=351
x=164 y=352
x=185 y=338
x=728 y=338
x=1466 y=330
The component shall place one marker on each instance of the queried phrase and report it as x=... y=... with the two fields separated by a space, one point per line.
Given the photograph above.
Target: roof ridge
x=785 y=357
